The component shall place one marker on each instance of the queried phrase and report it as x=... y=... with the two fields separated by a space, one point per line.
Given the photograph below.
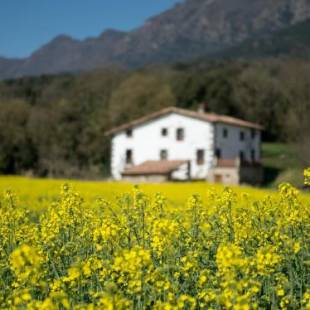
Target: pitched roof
x=158 y=167
x=208 y=117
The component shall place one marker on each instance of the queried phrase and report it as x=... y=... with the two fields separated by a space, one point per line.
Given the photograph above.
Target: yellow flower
x=307 y=176
x=73 y=274
x=267 y=259
x=296 y=247
x=26 y=263
x=225 y=250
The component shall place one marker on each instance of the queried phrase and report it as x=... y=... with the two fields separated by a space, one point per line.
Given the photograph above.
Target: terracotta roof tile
x=231 y=163
x=227 y=163
x=208 y=117
x=155 y=167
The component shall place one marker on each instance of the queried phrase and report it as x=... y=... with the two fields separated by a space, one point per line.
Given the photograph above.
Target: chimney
x=203 y=107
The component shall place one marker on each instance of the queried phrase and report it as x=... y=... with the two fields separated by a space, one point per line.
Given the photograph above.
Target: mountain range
x=189 y=30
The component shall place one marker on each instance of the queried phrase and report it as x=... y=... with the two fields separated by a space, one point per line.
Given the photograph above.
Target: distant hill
x=293 y=41
x=189 y=30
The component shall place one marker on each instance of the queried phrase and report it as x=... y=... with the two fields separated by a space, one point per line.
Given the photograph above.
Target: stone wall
x=252 y=175
x=145 y=178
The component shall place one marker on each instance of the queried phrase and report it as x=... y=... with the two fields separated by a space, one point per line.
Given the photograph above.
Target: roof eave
x=254 y=126
x=168 y=110
x=140 y=121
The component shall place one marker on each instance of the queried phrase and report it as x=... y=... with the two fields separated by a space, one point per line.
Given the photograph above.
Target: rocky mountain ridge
x=191 y=29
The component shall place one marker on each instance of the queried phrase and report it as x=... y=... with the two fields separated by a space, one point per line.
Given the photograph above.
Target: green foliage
x=282 y=164
x=17 y=152
x=139 y=94
x=291 y=41
x=55 y=125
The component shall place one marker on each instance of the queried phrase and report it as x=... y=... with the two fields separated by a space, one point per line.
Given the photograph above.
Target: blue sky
x=25 y=25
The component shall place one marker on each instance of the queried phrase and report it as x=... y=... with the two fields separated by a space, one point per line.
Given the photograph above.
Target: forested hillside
x=55 y=125
x=293 y=41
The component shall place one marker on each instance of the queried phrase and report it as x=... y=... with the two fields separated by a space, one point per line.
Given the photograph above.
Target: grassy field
x=281 y=164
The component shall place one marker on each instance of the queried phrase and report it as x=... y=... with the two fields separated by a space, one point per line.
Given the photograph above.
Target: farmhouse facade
x=177 y=144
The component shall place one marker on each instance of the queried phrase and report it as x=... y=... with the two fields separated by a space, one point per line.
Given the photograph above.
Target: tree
x=17 y=151
x=295 y=78
x=138 y=95
x=259 y=97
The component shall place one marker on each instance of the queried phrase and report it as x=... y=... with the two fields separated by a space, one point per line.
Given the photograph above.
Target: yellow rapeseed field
x=95 y=245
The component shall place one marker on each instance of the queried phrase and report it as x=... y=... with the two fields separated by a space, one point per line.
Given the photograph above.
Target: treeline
x=55 y=125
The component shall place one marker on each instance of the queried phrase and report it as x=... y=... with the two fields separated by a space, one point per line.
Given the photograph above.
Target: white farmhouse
x=178 y=145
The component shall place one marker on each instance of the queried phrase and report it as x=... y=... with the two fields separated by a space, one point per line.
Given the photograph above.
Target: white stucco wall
x=181 y=174
x=147 y=141
x=232 y=145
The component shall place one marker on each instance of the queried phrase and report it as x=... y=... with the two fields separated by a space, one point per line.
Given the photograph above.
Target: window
x=253 y=155
x=200 y=156
x=180 y=134
x=253 y=133
x=163 y=154
x=241 y=156
x=129 y=157
x=218 y=153
x=164 y=132
x=129 y=133
x=225 y=133
x=242 y=135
